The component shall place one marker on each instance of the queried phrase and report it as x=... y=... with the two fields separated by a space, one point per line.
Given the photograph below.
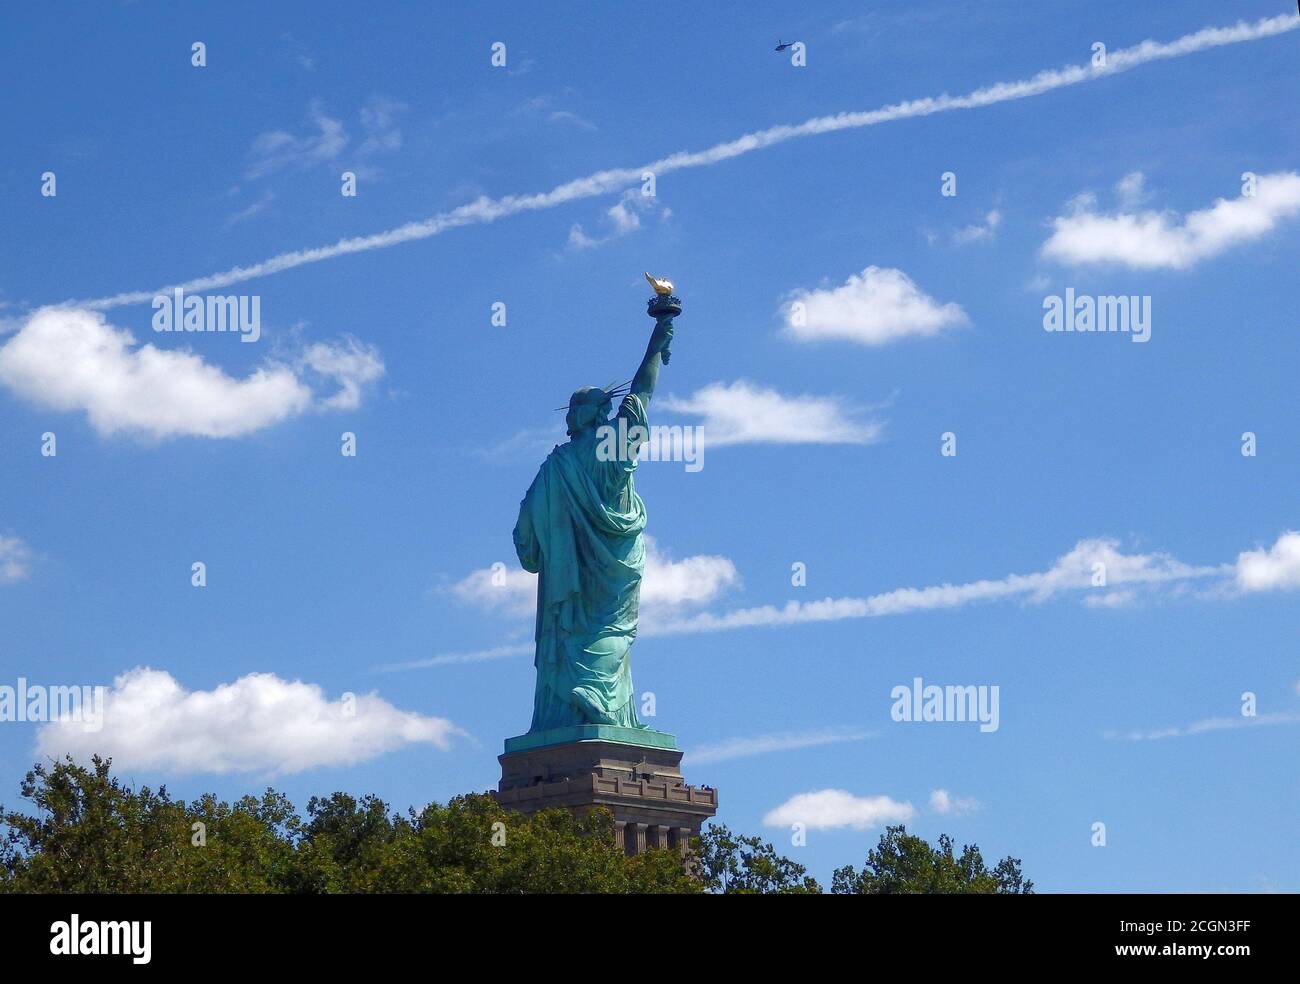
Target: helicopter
x=782 y=45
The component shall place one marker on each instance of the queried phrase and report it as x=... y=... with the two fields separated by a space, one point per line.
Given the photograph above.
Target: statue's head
x=589 y=407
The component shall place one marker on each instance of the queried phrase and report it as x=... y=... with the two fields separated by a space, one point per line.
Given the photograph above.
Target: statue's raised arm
x=663 y=307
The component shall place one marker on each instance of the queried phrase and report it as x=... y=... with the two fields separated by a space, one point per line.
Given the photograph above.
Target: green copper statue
x=580 y=529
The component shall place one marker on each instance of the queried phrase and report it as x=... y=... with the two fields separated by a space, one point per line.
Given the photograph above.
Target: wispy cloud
x=746 y=747
x=528 y=442
x=1132 y=189
x=568 y=116
x=454 y=659
x=545 y=108
x=943 y=802
x=485 y=210
x=246 y=213
x=1206 y=725
x=1165 y=240
x=1074 y=572
x=326 y=139
x=621 y=218
x=15 y=559
x=379 y=121
x=278 y=150
x=1094 y=570
x=1209 y=724
x=351 y=364
x=985 y=229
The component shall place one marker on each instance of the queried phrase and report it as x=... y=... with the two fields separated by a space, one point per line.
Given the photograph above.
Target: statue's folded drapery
x=580 y=529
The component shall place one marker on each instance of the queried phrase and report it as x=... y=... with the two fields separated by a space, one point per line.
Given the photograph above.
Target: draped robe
x=580 y=530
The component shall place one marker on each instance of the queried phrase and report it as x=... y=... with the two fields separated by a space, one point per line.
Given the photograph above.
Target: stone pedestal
x=633 y=773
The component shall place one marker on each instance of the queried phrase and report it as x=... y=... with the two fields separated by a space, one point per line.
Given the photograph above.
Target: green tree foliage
x=731 y=864
x=86 y=832
x=904 y=864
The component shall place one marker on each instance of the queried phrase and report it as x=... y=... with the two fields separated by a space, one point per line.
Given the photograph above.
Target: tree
x=86 y=832
x=732 y=864
x=903 y=863
x=90 y=833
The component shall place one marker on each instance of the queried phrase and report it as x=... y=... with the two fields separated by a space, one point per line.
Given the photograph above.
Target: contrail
x=485 y=210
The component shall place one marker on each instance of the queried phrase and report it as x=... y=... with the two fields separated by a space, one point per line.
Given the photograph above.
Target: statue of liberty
x=580 y=530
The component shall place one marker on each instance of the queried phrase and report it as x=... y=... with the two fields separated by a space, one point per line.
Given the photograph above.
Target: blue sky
x=921 y=314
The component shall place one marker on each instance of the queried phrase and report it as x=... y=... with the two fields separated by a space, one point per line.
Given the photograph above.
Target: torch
x=663 y=306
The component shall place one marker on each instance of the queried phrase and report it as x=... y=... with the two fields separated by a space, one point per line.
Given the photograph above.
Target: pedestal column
x=636 y=838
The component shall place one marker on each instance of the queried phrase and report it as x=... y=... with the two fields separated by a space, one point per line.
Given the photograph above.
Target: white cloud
x=452 y=659
x=623 y=217
x=526 y=442
x=738 y=413
x=942 y=801
x=1211 y=724
x=982 y=230
x=1274 y=569
x=243 y=214
x=667 y=585
x=602 y=182
x=509 y=588
x=277 y=150
x=71 y=359
x=1132 y=189
x=1165 y=240
x=578 y=239
x=1101 y=556
x=734 y=748
x=743 y=413
x=350 y=364
x=568 y=116
x=14 y=559
x=379 y=121
x=695 y=580
x=878 y=306
x=1111 y=599
x=828 y=809
x=1206 y=725
x=544 y=107
x=1073 y=572
x=1128 y=578
x=258 y=723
